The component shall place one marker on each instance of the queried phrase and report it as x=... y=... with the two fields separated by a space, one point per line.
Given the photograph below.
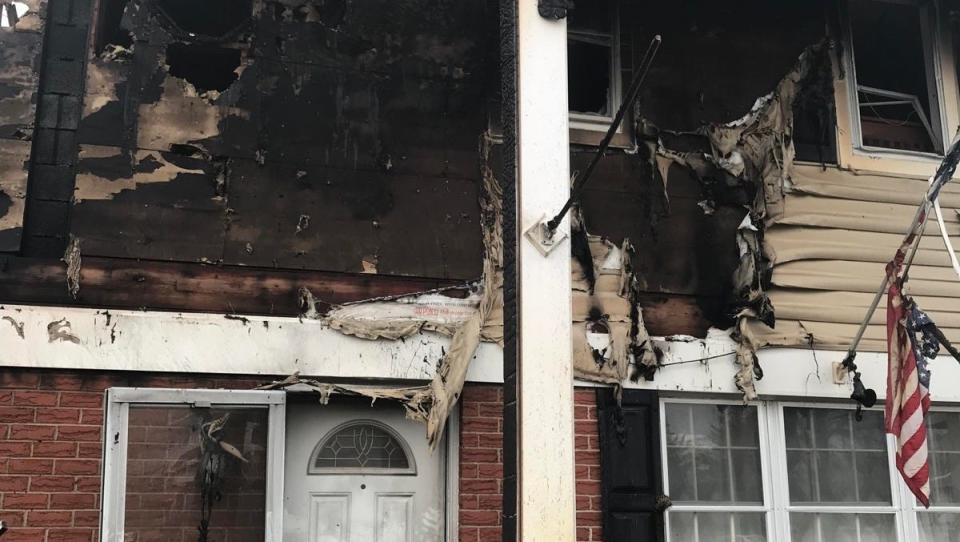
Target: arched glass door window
x=362 y=447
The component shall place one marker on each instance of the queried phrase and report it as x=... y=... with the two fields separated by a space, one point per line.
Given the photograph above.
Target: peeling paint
x=142 y=168
x=369 y=264
x=17 y=326
x=303 y=223
x=180 y=115
x=14 y=157
x=59 y=330
x=754 y=154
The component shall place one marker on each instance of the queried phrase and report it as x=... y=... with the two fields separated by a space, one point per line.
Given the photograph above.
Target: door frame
x=114 y=471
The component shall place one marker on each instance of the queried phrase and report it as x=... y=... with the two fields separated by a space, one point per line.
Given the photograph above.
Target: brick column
x=481 y=467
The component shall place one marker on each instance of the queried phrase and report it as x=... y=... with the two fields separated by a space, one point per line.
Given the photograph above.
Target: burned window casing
x=892 y=49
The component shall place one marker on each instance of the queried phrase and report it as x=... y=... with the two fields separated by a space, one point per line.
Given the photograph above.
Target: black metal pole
x=632 y=92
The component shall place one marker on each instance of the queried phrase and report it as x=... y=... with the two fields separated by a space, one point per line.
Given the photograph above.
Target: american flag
x=908 y=394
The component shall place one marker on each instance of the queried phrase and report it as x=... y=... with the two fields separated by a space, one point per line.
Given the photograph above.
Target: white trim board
x=788 y=372
x=149 y=341
x=206 y=343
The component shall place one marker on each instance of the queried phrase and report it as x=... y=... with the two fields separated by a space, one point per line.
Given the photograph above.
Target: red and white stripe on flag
x=908 y=400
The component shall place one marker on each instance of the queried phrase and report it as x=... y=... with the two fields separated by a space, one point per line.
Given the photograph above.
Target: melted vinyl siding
x=830 y=245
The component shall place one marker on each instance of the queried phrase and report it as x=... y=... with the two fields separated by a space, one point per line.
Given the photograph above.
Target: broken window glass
x=591 y=69
x=892 y=50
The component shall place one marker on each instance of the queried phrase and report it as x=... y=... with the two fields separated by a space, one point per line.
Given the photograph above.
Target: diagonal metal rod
x=581 y=180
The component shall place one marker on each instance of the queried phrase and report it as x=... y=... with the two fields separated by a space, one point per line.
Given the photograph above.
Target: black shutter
x=630 y=465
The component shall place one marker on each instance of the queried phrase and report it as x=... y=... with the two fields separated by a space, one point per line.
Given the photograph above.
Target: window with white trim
x=893 y=58
x=593 y=64
x=179 y=462
x=837 y=476
x=777 y=471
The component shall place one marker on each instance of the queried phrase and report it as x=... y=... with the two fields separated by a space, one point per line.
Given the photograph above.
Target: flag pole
x=944 y=173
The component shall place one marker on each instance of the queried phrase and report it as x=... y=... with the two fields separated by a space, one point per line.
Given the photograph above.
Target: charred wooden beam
x=154 y=285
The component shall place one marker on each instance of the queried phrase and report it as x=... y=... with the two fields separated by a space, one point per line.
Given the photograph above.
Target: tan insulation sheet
x=601 y=350
x=830 y=244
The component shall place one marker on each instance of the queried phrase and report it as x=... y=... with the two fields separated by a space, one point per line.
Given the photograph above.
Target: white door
x=357 y=473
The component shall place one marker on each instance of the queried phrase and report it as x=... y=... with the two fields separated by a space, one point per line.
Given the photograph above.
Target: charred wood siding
x=53 y=161
x=21 y=42
x=332 y=139
x=711 y=68
x=132 y=284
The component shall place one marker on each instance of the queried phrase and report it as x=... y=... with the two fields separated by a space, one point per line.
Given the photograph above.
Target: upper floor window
x=894 y=68
x=593 y=64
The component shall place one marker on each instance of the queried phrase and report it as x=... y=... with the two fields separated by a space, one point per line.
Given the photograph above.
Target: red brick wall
x=50 y=448
x=481 y=464
x=50 y=425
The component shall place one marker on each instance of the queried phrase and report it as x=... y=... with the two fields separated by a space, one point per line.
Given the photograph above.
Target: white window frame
x=945 y=111
x=118 y=401
x=782 y=487
x=601 y=123
x=766 y=507
x=913 y=525
x=773 y=462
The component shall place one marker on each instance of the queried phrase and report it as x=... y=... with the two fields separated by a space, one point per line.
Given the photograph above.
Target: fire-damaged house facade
x=253 y=269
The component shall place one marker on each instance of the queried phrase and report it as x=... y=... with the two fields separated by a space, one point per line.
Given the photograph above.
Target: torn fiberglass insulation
x=608 y=331
x=754 y=156
x=466 y=321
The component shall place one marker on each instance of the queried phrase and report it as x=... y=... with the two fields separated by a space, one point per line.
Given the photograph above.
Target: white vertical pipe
x=547 y=499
